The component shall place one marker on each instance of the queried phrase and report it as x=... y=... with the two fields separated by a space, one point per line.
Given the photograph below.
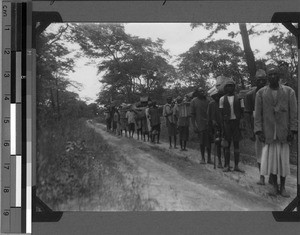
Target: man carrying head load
x=275 y=124
x=154 y=118
x=232 y=110
x=138 y=118
x=130 y=115
x=261 y=80
x=182 y=117
x=123 y=120
x=168 y=113
x=215 y=122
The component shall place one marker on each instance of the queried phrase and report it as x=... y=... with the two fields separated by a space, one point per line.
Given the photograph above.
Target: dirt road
x=175 y=181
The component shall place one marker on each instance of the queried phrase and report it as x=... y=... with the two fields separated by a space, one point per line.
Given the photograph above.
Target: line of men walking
x=145 y=120
x=270 y=109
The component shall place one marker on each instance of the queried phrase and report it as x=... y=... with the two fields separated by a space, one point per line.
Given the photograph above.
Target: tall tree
x=244 y=32
x=207 y=60
x=131 y=65
x=54 y=62
x=248 y=52
x=284 y=53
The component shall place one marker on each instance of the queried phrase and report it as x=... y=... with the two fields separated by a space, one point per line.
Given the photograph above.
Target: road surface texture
x=171 y=180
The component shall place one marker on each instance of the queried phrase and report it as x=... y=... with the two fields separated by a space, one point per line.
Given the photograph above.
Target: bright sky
x=179 y=37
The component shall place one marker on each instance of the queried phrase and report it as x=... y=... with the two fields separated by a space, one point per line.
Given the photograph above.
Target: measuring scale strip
x=5 y=119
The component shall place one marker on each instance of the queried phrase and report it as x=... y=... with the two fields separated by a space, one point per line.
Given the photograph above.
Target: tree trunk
x=57 y=98
x=248 y=52
x=52 y=100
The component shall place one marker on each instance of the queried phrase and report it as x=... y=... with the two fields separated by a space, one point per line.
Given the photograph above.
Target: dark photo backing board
x=163 y=20
x=165 y=222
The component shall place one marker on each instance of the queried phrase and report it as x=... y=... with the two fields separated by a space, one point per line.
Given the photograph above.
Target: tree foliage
x=54 y=63
x=244 y=32
x=131 y=66
x=61 y=176
x=284 y=53
x=210 y=59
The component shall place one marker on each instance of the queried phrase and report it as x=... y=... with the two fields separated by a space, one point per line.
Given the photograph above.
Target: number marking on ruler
x=5 y=117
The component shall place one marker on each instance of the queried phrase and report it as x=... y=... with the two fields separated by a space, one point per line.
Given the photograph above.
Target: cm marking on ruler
x=5 y=119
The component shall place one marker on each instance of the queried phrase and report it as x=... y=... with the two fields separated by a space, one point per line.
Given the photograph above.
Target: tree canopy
x=210 y=59
x=131 y=66
x=284 y=44
x=54 y=64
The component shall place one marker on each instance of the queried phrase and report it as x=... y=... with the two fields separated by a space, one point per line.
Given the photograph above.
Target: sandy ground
x=175 y=181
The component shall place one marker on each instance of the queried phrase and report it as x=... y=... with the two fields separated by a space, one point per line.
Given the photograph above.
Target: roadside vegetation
x=80 y=167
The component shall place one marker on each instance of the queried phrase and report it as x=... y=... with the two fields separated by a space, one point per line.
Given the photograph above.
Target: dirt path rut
x=174 y=181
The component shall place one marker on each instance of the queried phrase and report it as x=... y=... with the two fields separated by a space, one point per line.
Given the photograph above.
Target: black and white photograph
x=166 y=116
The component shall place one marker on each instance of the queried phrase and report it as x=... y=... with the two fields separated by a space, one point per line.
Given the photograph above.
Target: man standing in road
x=232 y=110
x=199 y=107
x=215 y=122
x=275 y=124
x=130 y=115
x=123 y=120
x=261 y=80
x=182 y=116
x=154 y=117
x=168 y=113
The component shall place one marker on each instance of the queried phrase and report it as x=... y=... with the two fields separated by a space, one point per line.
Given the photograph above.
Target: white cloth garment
x=275 y=159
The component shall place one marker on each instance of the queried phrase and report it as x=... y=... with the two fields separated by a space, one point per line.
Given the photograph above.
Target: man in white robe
x=275 y=124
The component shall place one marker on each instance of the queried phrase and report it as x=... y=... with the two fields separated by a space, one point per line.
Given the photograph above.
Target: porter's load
x=190 y=95
x=125 y=107
x=221 y=81
x=144 y=99
x=212 y=91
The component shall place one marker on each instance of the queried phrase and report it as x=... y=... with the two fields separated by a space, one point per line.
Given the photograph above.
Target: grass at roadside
x=79 y=166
